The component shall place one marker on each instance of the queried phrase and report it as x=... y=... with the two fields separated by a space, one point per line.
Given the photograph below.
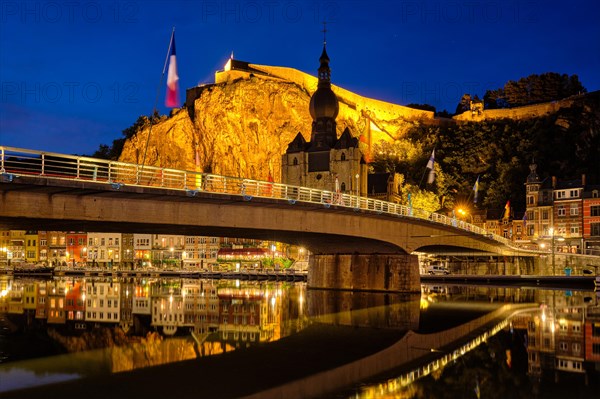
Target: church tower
x=324 y=107
x=326 y=161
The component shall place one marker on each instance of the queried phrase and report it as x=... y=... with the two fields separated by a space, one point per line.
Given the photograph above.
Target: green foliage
x=114 y=151
x=268 y=262
x=534 y=89
x=464 y=104
x=564 y=144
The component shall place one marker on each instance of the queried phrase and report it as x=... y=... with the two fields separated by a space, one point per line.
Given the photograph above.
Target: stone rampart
x=517 y=113
x=382 y=110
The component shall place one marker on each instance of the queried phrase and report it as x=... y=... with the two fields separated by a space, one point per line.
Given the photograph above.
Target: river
x=75 y=337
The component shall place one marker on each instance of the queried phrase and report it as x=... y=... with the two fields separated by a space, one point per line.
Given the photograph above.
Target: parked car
x=437 y=269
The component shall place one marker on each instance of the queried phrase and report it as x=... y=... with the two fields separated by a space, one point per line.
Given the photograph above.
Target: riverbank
x=266 y=274
x=585 y=283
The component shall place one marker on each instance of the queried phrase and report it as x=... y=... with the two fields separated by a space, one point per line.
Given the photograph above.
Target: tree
x=534 y=89
x=114 y=151
x=464 y=104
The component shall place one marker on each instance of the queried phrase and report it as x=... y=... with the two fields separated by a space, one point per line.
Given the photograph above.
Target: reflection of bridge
x=60 y=192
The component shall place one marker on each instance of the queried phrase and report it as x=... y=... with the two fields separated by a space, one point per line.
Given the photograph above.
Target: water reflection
x=115 y=325
x=450 y=341
x=550 y=350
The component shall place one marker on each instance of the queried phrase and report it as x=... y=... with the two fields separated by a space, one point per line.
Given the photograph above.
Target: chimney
x=583 y=180
x=553 y=181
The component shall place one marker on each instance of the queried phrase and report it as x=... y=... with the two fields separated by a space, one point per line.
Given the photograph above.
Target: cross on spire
x=324 y=33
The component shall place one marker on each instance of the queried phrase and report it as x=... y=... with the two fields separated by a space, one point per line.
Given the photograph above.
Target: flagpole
x=156 y=101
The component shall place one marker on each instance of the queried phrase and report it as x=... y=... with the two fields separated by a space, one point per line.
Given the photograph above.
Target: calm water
x=69 y=329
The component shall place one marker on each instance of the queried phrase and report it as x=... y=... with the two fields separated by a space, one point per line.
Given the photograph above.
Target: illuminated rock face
x=242 y=125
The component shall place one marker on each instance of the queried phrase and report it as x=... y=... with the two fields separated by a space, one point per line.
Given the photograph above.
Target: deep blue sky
x=74 y=74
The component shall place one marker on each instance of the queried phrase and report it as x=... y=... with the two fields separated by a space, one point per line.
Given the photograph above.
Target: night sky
x=74 y=74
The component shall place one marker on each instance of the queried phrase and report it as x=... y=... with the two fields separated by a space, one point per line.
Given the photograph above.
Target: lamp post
x=357 y=186
x=273 y=247
x=552 y=249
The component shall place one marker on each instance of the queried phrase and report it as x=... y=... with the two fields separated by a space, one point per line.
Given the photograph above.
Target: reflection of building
x=41 y=305
x=167 y=307
x=56 y=302
x=249 y=314
x=75 y=304
x=127 y=295
x=564 y=336
x=569 y=333
x=141 y=299
x=591 y=332
x=102 y=303
x=236 y=314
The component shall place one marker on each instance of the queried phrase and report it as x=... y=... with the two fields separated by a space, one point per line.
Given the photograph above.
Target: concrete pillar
x=373 y=272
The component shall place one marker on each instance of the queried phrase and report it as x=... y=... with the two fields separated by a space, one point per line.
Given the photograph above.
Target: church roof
x=346 y=141
x=297 y=145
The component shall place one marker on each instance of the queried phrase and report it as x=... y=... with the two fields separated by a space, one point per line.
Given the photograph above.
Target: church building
x=325 y=162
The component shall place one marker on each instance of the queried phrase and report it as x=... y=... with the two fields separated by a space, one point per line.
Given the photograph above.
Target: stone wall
x=517 y=113
x=383 y=109
x=374 y=272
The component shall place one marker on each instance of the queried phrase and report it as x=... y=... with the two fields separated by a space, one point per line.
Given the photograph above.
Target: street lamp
x=551 y=230
x=357 y=186
x=273 y=248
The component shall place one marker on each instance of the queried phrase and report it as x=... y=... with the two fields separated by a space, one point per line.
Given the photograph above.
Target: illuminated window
x=574 y=210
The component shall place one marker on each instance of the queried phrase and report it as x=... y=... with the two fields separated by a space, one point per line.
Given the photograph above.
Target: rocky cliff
x=242 y=125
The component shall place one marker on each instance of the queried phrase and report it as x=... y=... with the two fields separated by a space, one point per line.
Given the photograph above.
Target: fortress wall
x=382 y=109
x=517 y=113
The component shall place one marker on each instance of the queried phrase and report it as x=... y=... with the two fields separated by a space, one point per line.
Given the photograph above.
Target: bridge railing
x=18 y=161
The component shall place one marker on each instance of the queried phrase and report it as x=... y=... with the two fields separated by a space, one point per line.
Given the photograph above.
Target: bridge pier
x=371 y=272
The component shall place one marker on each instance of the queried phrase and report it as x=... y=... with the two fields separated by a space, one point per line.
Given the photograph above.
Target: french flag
x=172 y=99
